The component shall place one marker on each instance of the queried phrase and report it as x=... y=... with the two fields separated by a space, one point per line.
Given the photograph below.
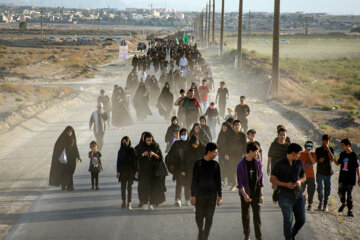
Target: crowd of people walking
x=202 y=158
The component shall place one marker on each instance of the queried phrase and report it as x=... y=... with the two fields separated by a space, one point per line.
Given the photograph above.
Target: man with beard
x=98 y=119
x=238 y=148
x=152 y=173
x=127 y=170
x=192 y=109
x=174 y=160
x=194 y=151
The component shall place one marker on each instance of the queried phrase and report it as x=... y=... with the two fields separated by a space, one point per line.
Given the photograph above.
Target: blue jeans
x=323 y=186
x=288 y=207
x=204 y=106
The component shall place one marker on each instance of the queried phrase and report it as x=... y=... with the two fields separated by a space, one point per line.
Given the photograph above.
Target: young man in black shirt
x=288 y=174
x=206 y=190
x=242 y=112
x=222 y=95
x=324 y=157
x=347 y=176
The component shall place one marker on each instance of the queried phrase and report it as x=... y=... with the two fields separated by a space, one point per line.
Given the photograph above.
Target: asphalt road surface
x=88 y=214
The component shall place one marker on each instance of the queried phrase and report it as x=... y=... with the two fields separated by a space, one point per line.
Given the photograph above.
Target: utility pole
x=222 y=28
x=276 y=48
x=213 y=25
x=202 y=25
x=249 y=23
x=42 y=23
x=239 y=52
x=206 y=18
x=306 y=26
x=208 y=39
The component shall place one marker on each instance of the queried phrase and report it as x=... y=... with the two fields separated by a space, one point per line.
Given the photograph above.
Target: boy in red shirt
x=308 y=159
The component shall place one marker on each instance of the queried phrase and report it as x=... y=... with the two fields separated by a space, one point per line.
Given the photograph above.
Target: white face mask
x=183 y=137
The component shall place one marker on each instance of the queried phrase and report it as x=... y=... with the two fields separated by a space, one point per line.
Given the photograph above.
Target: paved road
x=88 y=214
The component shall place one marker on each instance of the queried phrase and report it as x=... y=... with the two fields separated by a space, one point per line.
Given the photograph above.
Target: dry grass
x=17 y=88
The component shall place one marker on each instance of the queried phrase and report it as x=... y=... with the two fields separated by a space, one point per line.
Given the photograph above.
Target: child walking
x=95 y=165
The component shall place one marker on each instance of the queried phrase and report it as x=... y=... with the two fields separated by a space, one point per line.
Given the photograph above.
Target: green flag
x=177 y=41
x=185 y=38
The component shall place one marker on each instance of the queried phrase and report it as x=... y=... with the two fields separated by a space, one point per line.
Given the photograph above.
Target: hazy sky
x=329 y=6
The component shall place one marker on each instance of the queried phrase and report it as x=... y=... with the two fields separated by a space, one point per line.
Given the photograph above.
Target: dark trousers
x=245 y=212
x=323 y=188
x=95 y=179
x=310 y=185
x=222 y=106
x=290 y=206
x=345 y=194
x=126 y=184
x=205 y=208
x=100 y=139
x=180 y=184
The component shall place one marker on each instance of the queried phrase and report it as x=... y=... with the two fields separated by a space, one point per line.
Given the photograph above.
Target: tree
x=22 y=26
x=357 y=29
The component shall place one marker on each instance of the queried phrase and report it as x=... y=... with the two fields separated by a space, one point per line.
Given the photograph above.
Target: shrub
x=329 y=107
x=325 y=127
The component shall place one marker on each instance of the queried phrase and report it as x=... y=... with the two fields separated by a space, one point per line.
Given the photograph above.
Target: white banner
x=123 y=52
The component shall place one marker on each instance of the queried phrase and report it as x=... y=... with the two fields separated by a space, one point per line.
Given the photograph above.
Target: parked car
x=118 y=39
x=85 y=39
x=70 y=39
x=284 y=42
x=52 y=39
x=141 y=46
x=101 y=39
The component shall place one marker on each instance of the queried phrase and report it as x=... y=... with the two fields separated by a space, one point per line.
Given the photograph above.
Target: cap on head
x=100 y=105
x=309 y=145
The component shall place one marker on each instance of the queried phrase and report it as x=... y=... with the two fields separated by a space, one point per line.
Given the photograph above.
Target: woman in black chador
x=165 y=102
x=224 y=142
x=61 y=174
x=200 y=134
x=127 y=169
x=141 y=102
x=152 y=173
x=153 y=87
x=121 y=111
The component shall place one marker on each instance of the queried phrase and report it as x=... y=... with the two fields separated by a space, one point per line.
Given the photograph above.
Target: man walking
x=192 y=109
x=289 y=174
x=98 y=119
x=242 y=112
x=204 y=91
x=324 y=156
x=251 y=184
x=206 y=190
x=222 y=95
x=105 y=100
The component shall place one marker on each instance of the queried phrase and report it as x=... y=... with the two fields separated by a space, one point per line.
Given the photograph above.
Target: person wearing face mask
x=174 y=160
x=126 y=170
x=193 y=152
x=152 y=173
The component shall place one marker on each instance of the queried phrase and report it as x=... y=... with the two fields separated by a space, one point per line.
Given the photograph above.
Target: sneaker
x=350 y=213
x=178 y=203
x=151 y=208
x=341 y=208
x=129 y=206
x=319 y=207
x=247 y=238
x=325 y=208
x=123 y=205
x=309 y=208
x=187 y=203
x=145 y=207
x=233 y=189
